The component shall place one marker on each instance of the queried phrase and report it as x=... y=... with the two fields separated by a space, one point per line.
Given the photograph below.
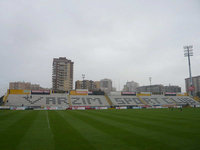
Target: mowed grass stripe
x=149 y=116
x=5 y=112
x=162 y=114
x=10 y=118
x=117 y=130
x=174 y=139
x=38 y=133
x=65 y=135
x=175 y=114
x=161 y=133
x=172 y=125
x=165 y=112
x=100 y=140
x=13 y=135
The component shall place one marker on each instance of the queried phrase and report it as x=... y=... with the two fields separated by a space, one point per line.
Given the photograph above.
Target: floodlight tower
x=188 y=51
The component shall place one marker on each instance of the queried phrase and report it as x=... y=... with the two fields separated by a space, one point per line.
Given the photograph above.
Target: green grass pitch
x=100 y=129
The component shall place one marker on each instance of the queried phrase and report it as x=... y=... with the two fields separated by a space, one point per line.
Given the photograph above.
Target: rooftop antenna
x=83 y=76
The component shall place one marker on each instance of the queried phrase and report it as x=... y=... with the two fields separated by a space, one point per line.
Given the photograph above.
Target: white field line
x=48 y=120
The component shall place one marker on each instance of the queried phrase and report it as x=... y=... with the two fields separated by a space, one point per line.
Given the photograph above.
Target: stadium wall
x=13 y=91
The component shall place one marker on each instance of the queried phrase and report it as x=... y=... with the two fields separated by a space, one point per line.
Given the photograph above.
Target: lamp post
x=188 y=51
x=150 y=84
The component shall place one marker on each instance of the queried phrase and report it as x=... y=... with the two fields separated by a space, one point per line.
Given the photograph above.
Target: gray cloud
x=121 y=40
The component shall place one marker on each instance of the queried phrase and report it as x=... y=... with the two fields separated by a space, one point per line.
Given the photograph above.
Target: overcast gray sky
x=122 y=40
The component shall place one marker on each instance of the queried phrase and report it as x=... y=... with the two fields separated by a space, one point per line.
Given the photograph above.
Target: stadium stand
x=65 y=101
x=56 y=100
x=88 y=100
x=183 y=100
x=157 y=100
x=125 y=100
x=108 y=100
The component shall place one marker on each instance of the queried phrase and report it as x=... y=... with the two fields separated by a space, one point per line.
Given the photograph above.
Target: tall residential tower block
x=62 y=76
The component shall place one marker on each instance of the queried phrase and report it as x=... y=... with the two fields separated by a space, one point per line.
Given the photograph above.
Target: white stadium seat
x=88 y=100
x=183 y=100
x=38 y=100
x=157 y=100
x=125 y=100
